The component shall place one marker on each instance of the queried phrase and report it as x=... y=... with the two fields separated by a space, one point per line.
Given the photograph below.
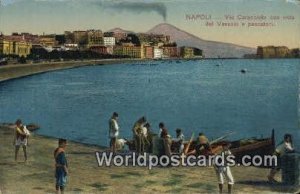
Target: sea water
x=209 y=96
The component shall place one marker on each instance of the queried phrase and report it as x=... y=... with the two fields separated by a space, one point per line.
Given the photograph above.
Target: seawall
x=8 y=72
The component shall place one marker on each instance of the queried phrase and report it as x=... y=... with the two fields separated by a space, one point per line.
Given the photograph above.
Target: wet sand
x=37 y=175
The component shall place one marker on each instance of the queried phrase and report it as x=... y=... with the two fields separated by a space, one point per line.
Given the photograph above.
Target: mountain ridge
x=211 y=49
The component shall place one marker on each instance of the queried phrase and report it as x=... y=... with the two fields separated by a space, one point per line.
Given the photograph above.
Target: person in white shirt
x=113 y=131
x=223 y=171
x=179 y=141
x=21 y=139
x=283 y=148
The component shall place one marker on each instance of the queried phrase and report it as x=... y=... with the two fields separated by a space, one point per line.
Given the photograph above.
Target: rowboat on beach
x=239 y=148
x=249 y=146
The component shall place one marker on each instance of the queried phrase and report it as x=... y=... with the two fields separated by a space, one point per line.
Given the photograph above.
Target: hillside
x=211 y=49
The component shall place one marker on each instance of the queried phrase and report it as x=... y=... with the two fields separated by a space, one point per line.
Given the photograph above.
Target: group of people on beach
x=142 y=137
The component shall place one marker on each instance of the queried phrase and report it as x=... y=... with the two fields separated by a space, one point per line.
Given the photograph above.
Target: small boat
x=239 y=148
x=243 y=70
x=253 y=147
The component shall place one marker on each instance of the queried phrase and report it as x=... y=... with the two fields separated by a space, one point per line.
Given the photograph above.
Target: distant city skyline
x=57 y=16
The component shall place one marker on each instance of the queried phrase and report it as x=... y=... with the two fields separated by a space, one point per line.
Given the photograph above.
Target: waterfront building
x=6 y=47
x=186 y=52
x=60 y=38
x=99 y=49
x=94 y=38
x=10 y=46
x=170 y=50
x=109 y=41
x=47 y=41
x=118 y=50
x=198 y=53
x=295 y=52
x=71 y=46
x=80 y=37
x=22 y=48
x=69 y=37
x=127 y=44
x=158 y=53
x=130 y=51
x=149 y=52
x=273 y=52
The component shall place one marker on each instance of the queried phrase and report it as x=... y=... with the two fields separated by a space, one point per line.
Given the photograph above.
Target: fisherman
x=223 y=169
x=202 y=148
x=179 y=141
x=161 y=125
x=286 y=146
x=61 y=166
x=146 y=139
x=137 y=134
x=167 y=141
x=21 y=139
x=113 y=131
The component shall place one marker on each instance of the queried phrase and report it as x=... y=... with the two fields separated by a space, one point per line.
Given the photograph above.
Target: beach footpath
x=37 y=175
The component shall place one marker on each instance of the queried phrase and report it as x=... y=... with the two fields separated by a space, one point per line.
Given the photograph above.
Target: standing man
x=61 y=166
x=284 y=147
x=179 y=141
x=21 y=139
x=137 y=134
x=161 y=125
x=223 y=170
x=113 y=131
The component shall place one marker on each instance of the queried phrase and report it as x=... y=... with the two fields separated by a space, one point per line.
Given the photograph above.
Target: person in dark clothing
x=61 y=166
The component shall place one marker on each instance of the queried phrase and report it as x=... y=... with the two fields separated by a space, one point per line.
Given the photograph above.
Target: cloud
x=293 y=1
x=133 y=6
x=139 y=7
x=288 y=1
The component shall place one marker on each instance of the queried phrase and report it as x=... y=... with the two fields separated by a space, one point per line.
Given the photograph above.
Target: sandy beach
x=37 y=175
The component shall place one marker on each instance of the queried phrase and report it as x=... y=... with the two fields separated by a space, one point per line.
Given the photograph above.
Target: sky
x=57 y=16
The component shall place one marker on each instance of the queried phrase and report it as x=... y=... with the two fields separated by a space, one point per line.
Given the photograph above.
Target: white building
x=158 y=53
x=71 y=47
x=109 y=41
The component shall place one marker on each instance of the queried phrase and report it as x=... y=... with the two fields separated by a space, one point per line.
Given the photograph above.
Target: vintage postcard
x=149 y=96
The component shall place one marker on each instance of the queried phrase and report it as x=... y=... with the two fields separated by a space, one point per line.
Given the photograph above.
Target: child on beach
x=21 y=139
x=61 y=166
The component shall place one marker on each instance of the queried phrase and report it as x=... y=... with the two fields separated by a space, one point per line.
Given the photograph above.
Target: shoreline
x=14 y=71
x=37 y=175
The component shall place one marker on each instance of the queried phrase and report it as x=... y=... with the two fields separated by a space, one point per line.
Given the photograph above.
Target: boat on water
x=243 y=70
